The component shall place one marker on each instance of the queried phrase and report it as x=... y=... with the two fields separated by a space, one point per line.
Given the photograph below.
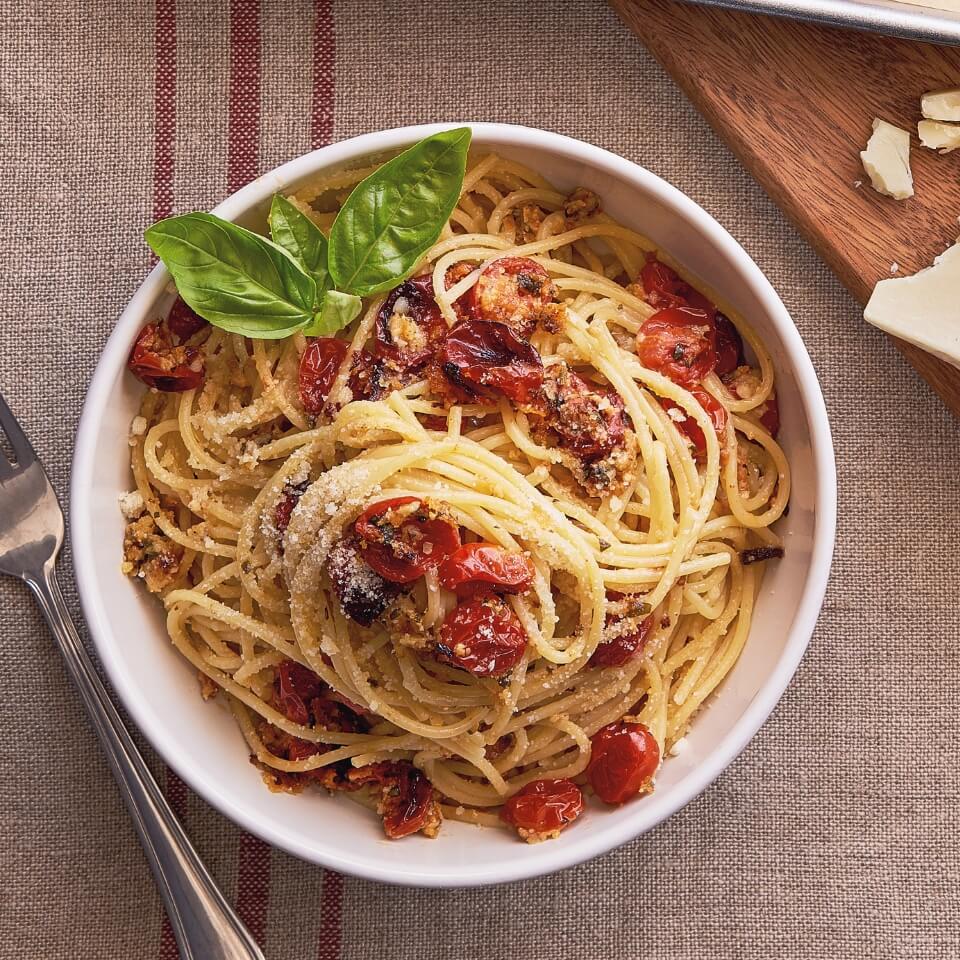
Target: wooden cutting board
x=795 y=102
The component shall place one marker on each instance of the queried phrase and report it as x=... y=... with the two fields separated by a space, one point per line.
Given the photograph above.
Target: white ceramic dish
x=201 y=743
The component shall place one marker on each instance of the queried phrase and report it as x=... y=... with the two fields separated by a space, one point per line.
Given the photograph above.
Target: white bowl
x=201 y=743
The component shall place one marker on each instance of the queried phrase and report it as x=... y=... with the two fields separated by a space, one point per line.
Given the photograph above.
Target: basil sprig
x=395 y=216
x=300 y=281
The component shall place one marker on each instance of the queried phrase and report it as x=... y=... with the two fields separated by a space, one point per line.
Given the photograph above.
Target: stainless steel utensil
x=31 y=534
x=936 y=20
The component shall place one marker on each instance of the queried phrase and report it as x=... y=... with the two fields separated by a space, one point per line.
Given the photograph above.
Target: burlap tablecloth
x=835 y=835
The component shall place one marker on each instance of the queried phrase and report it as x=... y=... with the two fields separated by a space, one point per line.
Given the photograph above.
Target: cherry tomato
x=516 y=291
x=543 y=806
x=679 y=343
x=462 y=306
x=183 y=322
x=729 y=345
x=770 y=418
x=294 y=686
x=481 y=359
x=690 y=428
x=319 y=367
x=477 y=567
x=664 y=287
x=403 y=537
x=624 y=759
x=371 y=377
x=363 y=594
x=158 y=363
x=616 y=652
x=407 y=803
x=483 y=637
x=409 y=324
x=284 y=508
x=589 y=420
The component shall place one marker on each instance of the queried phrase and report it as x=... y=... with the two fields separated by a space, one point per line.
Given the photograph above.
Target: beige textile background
x=835 y=835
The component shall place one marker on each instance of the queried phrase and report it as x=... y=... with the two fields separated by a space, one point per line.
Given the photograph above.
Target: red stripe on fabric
x=164 y=153
x=331 y=916
x=253 y=886
x=243 y=153
x=324 y=45
x=164 y=106
x=243 y=161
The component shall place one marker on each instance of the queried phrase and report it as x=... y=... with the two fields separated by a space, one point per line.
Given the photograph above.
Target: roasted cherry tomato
x=409 y=324
x=589 y=420
x=183 y=322
x=462 y=306
x=616 y=652
x=284 y=508
x=319 y=367
x=516 y=291
x=770 y=417
x=481 y=359
x=664 y=287
x=158 y=363
x=362 y=592
x=690 y=428
x=407 y=803
x=624 y=759
x=483 y=637
x=543 y=807
x=679 y=343
x=295 y=686
x=478 y=567
x=729 y=345
x=403 y=537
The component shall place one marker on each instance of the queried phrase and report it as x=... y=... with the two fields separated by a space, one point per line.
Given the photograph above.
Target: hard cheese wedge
x=887 y=160
x=923 y=309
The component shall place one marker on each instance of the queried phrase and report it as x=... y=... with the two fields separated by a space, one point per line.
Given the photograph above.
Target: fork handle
x=204 y=924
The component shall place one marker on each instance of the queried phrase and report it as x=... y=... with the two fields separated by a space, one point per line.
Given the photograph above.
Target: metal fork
x=31 y=534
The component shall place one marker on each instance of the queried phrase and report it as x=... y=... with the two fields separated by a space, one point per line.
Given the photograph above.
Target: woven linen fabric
x=834 y=835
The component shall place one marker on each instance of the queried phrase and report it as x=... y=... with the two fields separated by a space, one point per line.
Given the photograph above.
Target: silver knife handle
x=204 y=924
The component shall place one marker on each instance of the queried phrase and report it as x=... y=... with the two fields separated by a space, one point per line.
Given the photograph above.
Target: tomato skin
x=620 y=650
x=678 y=342
x=543 y=806
x=482 y=636
x=690 y=428
x=284 y=508
x=624 y=759
x=394 y=544
x=319 y=367
x=664 y=287
x=407 y=803
x=363 y=593
x=770 y=418
x=478 y=567
x=158 y=363
x=480 y=359
x=729 y=345
x=515 y=291
x=295 y=685
x=589 y=420
x=183 y=322
x=424 y=323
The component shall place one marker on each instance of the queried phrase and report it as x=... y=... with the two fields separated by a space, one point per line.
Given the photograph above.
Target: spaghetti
x=488 y=549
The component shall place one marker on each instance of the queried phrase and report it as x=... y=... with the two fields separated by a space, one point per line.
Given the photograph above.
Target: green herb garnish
x=300 y=280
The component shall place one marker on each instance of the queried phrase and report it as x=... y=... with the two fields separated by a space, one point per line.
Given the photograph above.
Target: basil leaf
x=336 y=311
x=393 y=217
x=234 y=278
x=301 y=238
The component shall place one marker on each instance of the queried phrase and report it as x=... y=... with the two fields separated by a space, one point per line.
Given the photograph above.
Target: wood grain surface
x=795 y=102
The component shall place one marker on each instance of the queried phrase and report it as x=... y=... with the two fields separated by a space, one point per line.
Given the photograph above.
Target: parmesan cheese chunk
x=887 y=160
x=941 y=105
x=938 y=135
x=923 y=309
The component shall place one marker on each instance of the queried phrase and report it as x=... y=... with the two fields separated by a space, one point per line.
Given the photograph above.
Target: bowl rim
x=554 y=856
